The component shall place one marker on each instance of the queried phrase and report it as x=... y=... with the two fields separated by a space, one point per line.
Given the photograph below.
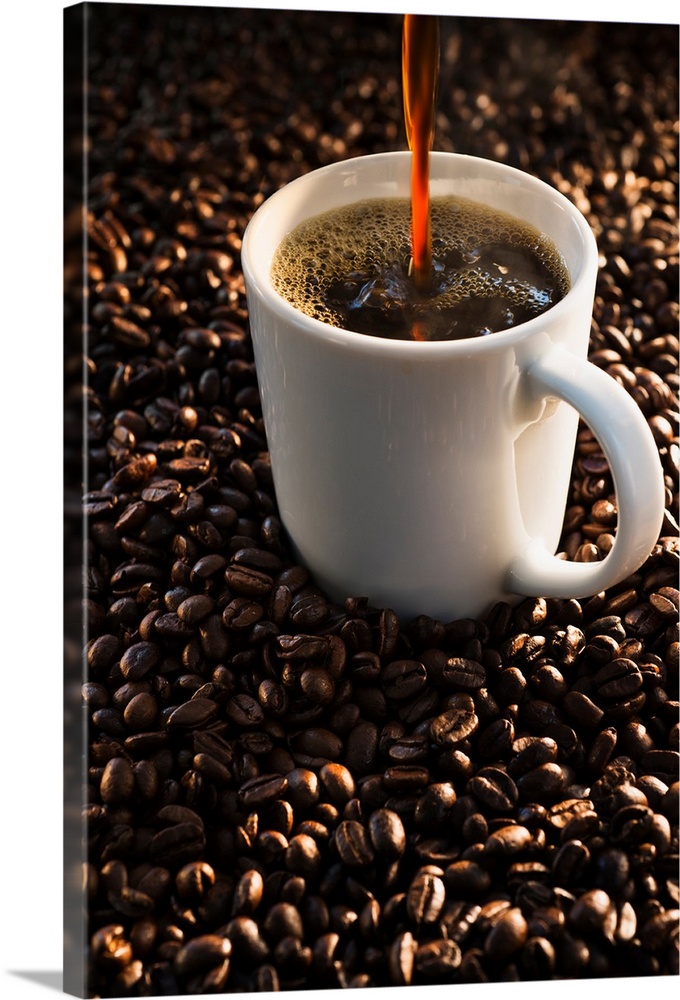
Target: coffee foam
x=357 y=257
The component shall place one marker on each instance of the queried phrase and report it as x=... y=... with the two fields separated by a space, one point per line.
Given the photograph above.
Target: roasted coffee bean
x=248 y=581
x=401 y=959
x=496 y=739
x=635 y=740
x=302 y=647
x=201 y=954
x=318 y=742
x=262 y=790
x=324 y=950
x=139 y=659
x=273 y=697
x=613 y=869
x=420 y=709
x=425 y=898
x=110 y=948
x=494 y=788
x=530 y=752
x=317 y=685
x=337 y=782
x=570 y=863
x=195 y=608
x=582 y=710
x=161 y=492
x=594 y=911
x=248 y=946
x=193 y=714
x=457 y=723
x=403 y=679
x=302 y=856
x=244 y=711
x=463 y=674
x=361 y=746
x=140 y=712
x=601 y=751
x=117 y=782
x=548 y=682
x=434 y=806
x=507 y=935
x=631 y=824
x=539 y=958
x=467 y=879
x=387 y=834
x=437 y=960
x=171 y=627
x=282 y=920
x=177 y=844
x=508 y=840
x=620 y=678
x=353 y=844
x=146 y=780
x=405 y=778
x=302 y=788
x=545 y=782
x=194 y=881
x=471 y=967
x=601 y=649
x=308 y=611
x=248 y=893
x=365 y=667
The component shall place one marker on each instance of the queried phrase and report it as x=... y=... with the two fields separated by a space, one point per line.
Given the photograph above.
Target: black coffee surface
x=352 y=268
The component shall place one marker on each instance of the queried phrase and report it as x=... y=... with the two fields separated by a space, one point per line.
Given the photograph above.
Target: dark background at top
x=280 y=92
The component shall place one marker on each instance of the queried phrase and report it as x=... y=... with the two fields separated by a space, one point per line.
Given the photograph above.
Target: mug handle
x=631 y=452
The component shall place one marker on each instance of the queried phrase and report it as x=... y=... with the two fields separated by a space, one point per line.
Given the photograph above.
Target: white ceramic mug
x=432 y=477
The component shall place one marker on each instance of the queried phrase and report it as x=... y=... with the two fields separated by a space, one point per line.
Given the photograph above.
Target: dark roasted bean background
x=283 y=793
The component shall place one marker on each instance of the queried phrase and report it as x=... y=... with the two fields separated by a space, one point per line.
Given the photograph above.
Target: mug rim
x=500 y=339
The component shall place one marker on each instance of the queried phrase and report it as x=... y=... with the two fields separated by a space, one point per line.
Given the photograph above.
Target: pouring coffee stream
x=420 y=71
x=419 y=268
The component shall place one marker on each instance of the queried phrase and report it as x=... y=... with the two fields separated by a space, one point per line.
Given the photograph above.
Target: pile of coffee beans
x=286 y=793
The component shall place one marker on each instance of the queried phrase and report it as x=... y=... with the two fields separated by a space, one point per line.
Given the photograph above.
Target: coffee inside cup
x=351 y=268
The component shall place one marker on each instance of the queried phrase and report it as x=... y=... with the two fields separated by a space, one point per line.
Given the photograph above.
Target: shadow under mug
x=433 y=477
